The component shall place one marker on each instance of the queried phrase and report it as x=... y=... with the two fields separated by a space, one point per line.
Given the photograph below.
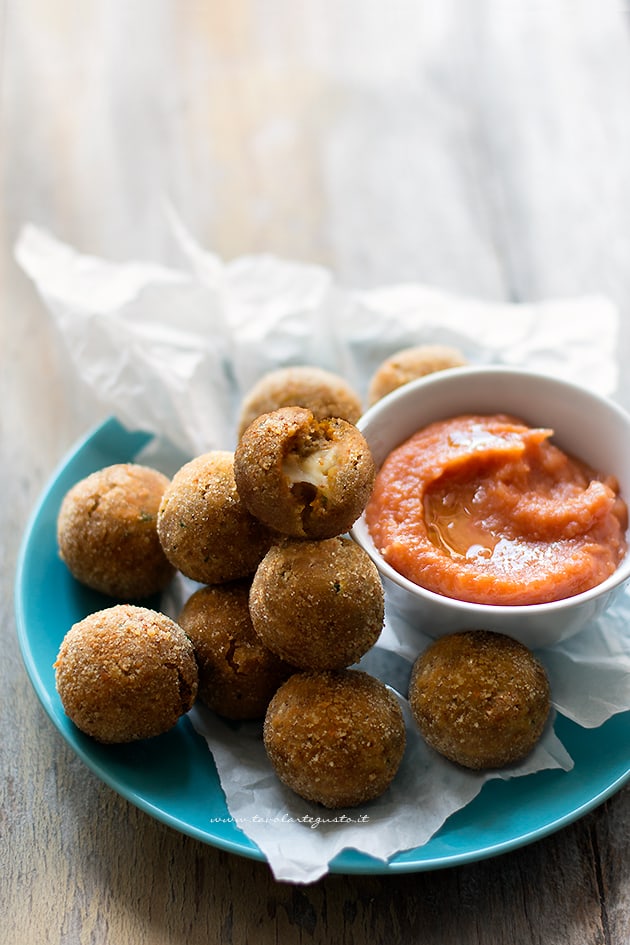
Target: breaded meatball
x=204 y=528
x=323 y=393
x=408 y=365
x=107 y=535
x=479 y=698
x=304 y=477
x=238 y=675
x=336 y=738
x=126 y=673
x=317 y=604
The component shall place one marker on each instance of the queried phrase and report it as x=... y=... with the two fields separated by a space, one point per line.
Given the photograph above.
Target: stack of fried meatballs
x=287 y=604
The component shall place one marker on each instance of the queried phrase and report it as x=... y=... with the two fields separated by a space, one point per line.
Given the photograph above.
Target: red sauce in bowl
x=488 y=510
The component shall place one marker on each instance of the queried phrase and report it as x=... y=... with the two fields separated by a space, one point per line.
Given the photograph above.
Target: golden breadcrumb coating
x=408 y=365
x=322 y=392
x=204 y=528
x=317 y=604
x=479 y=698
x=238 y=675
x=336 y=738
x=107 y=534
x=126 y=673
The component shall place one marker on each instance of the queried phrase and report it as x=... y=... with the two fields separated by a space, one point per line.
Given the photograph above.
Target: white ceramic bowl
x=587 y=425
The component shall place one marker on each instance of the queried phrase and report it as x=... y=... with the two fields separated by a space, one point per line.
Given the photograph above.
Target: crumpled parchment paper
x=173 y=350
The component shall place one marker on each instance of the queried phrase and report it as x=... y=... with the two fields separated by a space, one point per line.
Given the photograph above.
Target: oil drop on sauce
x=452 y=526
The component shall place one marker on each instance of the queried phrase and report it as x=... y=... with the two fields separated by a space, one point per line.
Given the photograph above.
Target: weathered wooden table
x=477 y=146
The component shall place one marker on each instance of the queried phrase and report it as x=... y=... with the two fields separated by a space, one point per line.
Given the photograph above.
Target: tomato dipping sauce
x=488 y=510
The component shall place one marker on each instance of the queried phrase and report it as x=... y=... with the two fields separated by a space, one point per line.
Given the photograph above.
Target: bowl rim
x=447 y=375
x=361 y=534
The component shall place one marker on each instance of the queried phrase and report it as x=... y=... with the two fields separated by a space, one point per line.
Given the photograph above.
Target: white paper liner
x=173 y=350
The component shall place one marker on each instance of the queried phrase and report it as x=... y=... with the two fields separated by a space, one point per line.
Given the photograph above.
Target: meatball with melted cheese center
x=304 y=477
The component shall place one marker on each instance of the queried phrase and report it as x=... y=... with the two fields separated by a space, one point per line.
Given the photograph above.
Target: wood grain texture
x=478 y=146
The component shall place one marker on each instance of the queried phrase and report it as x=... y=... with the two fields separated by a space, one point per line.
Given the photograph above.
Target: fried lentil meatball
x=304 y=477
x=126 y=673
x=408 y=365
x=238 y=675
x=323 y=393
x=336 y=738
x=317 y=604
x=479 y=698
x=204 y=528
x=107 y=535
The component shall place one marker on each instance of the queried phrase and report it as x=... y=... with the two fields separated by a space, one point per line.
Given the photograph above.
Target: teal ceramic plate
x=173 y=777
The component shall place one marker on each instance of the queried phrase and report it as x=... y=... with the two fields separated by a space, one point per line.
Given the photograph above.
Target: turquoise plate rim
x=173 y=777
